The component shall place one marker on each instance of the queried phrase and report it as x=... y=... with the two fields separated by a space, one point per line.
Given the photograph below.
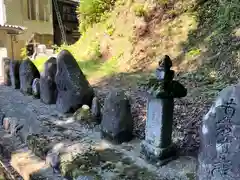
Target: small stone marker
x=117 y=121
x=6 y=66
x=219 y=157
x=96 y=110
x=6 y=123
x=14 y=73
x=158 y=145
x=27 y=72
x=73 y=88
x=48 y=88
x=36 y=88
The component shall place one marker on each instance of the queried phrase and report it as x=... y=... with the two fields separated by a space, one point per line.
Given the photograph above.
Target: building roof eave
x=12 y=29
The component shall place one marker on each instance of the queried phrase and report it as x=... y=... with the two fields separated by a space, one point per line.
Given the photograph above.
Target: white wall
x=2 y=13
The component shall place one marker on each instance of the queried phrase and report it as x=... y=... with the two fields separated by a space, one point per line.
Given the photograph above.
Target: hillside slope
x=202 y=37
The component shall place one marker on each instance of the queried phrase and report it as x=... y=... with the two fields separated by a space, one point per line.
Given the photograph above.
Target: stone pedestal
x=156 y=154
x=158 y=139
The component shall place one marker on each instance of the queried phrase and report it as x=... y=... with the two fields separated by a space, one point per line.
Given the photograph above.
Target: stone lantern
x=158 y=145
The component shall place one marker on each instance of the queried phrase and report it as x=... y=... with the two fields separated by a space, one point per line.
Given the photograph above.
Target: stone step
x=18 y=160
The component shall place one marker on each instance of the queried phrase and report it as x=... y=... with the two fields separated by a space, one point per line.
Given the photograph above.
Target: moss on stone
x=81 y=163
x=134 y=172
x=190 y=176
x=38 y=144
x=83 y=114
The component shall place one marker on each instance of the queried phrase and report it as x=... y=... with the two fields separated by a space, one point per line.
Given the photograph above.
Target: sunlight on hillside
x=39 y=63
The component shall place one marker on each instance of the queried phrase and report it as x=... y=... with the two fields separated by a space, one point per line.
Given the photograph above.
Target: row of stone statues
x=62 y=82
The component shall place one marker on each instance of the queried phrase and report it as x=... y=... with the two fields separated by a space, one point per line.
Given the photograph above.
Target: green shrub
x=94 y=51
x=194 y=52
x=139 y=10
x=23 y=53
x=110 y=29
x=91 y=11
x=162 y=2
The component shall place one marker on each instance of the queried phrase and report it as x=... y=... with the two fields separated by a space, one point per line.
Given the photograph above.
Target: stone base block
x=158 y=155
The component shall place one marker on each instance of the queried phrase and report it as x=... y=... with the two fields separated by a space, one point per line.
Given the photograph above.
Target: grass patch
x=39 y=63
x=139 y=10
x=89 y=67
x=93 y=68
x=194 y=52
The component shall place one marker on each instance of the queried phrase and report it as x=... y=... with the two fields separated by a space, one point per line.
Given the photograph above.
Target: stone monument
x=158 y=145
x=96 y=110
x=6 y=67
x=219 y=155
x=27 y=72
x=73 y=88
x=48 y=88
x=14 y=73
x=117 y=121
x=36 y=88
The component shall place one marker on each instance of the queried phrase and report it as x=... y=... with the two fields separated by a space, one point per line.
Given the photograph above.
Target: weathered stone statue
x=73 y=87
x=36 y=88
x=48 y=87
x=158 y=145
x=27 y=72
x=96 y=110
x=117 y=121
x=14 y=73
x=6 y=66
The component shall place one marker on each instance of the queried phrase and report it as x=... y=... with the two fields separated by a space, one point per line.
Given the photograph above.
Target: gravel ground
x=53 y=125
x=188 y=111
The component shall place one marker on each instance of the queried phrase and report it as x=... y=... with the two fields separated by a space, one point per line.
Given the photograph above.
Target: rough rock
x=73 y=88
x=28 y=72
x=6 y=67
x=53 y=159
x=14 y=73
x=96 y=110
x=48 y=89
x=36 y=88
x=219 y=156
x=117 y=121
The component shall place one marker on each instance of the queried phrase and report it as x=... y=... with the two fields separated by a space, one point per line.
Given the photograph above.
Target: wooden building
x=68 y=13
